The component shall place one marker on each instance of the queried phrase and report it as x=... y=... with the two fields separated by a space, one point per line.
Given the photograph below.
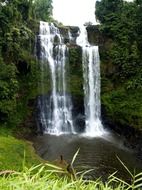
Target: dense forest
x=121 y=58
x=19 y=23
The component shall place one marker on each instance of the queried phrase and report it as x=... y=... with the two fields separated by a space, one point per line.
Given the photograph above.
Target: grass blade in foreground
x=46 y=179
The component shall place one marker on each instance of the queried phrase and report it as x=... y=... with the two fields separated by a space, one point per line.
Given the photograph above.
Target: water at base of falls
x=55 y=110
x=91 y=74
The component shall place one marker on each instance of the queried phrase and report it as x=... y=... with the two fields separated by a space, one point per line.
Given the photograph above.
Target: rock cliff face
x=94 y=35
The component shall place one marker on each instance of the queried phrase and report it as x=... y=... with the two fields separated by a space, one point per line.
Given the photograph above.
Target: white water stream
x=56 y=114
x=91 y=74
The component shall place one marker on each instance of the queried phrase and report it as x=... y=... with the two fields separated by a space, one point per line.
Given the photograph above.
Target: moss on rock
x=75 y=79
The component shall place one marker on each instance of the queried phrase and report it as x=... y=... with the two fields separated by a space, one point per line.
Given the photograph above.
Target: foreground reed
x=51 y=177
x=64 y=177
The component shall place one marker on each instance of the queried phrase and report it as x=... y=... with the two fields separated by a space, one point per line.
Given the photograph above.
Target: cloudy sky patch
x=74 y=12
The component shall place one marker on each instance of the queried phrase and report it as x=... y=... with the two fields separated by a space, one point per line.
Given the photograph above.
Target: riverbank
x=14 y=153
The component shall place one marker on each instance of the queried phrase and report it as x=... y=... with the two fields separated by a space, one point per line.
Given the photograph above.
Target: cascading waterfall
x=91 y=72
x=55 y=111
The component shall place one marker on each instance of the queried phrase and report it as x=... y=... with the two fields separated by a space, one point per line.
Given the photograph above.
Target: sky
x=74 y=12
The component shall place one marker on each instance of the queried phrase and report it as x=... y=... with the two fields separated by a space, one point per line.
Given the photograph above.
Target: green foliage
x=43 y=9
x=41 y=178
x=8 y=91
x=124 y=107
x=106 y=10
x=19 y=71
x=121 y=60
x=75 y=79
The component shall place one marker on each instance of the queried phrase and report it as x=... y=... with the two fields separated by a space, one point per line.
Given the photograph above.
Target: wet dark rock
x=79 y=123
x=69 y=33
x=95 y=37
x=74 y=30
x=64 y=32
x=23 y=67
x=38 y=47
x=132 y=137
x=78 y=113
x=56 y=40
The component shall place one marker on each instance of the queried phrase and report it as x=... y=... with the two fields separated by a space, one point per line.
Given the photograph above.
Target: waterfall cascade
x=91 y=74
x=56 y=110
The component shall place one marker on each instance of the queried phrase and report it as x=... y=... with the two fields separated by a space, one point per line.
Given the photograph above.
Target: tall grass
x=57 y=177
x=51 y=177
